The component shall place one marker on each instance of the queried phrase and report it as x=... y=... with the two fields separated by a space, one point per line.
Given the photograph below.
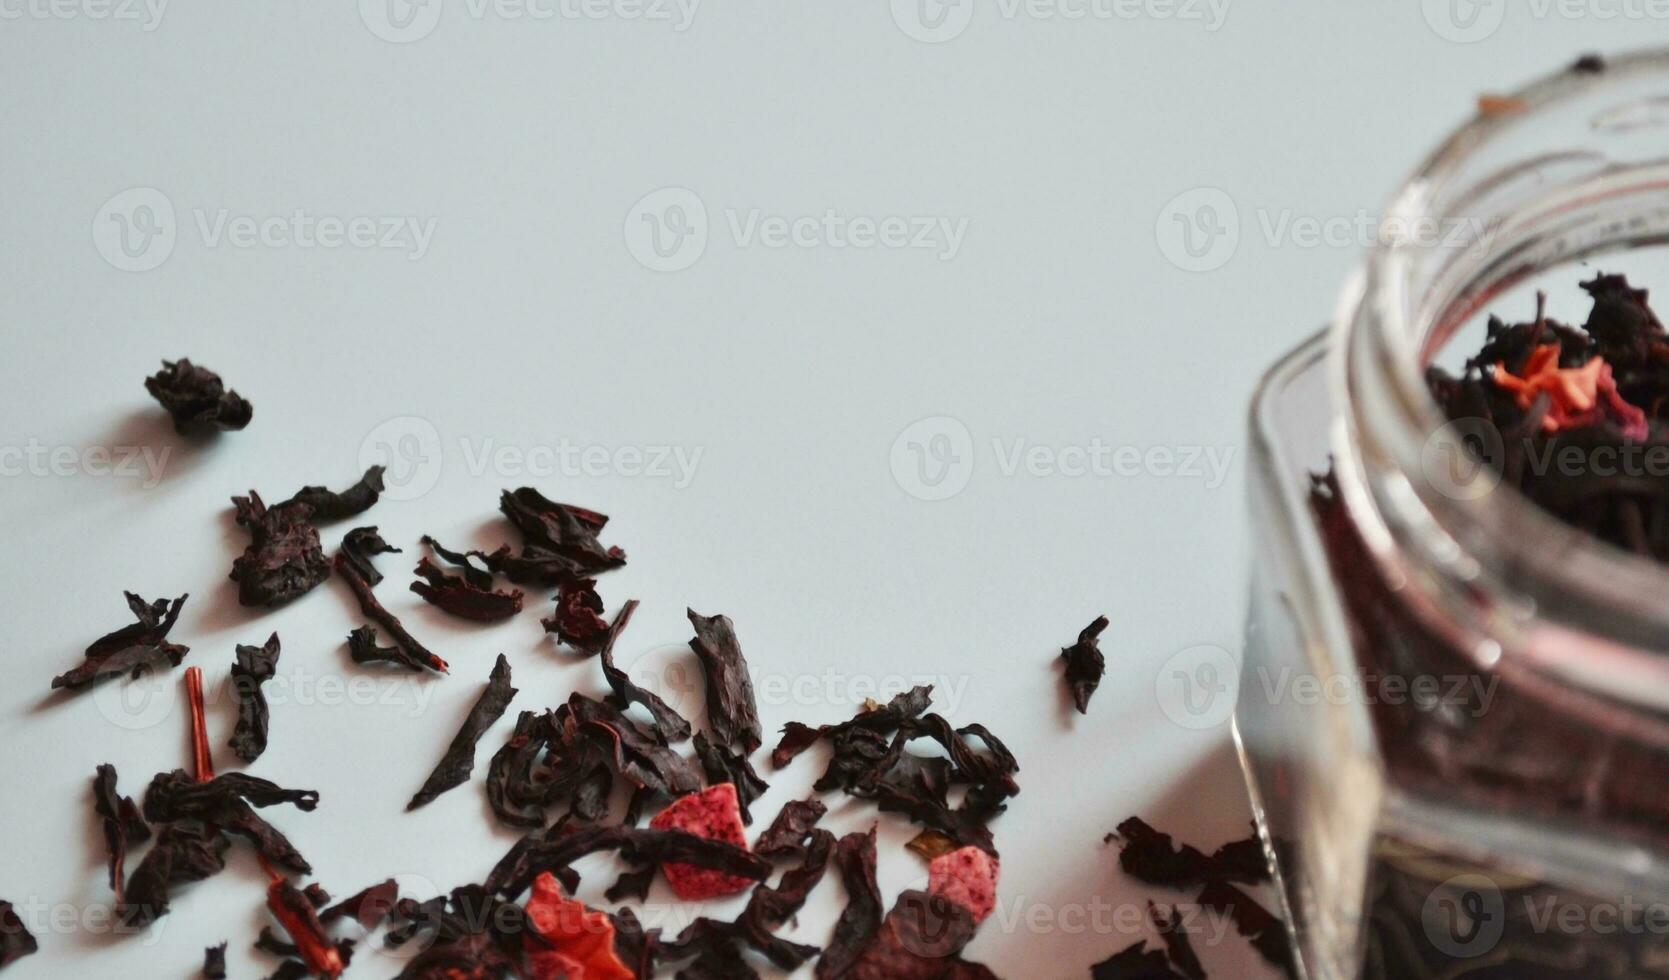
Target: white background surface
x=529 y=322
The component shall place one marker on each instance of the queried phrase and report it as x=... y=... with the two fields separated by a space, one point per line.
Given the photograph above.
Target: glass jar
x=1454 y=708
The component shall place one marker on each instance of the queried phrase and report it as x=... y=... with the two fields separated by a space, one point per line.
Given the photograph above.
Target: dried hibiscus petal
x=786 y=836
x=122 y=823
x=197 y=399
x=362 y=645
x=185 y=851
x=724 y=766
x=458 y=596
x=713 y=814
x=459 y=761
x=327 y=505
x=968 y=877
x=1085 y=664
x=921 y=939
x=566 y=940
x=367 y=907
x=732 y=712
x=578 y=621
x=284 y=559
x=253 y=667
x=362 y=544
x=131 y=649
x=859 y=922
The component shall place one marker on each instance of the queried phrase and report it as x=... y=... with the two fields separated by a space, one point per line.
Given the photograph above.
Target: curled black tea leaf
x=327 y=505
x=459 y=761
x=121 y=822
x=197 y=399
x=724 y=766
x=15 y=940
x=732 y=712
x=459 y=596
x=253 y=667
x=284 y=559
x=133 y=648
x=359 y=546
x=1085 y=664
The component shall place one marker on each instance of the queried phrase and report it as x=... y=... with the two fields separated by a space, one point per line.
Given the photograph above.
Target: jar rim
x=1496 y=573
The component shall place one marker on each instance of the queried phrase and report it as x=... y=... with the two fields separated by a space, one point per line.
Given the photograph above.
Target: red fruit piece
x=968 y=877
x=569 y=941
x=715 y=814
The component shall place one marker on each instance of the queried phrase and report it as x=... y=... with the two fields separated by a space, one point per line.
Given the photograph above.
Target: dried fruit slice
x=968 y=877
x=715 y=814
x=569 y=940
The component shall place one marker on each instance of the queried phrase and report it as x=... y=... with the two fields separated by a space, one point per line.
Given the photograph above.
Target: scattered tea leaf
x=459 y=760
x=132 y=649
x=214 y=962
x=786 y=837
x=284 y=559
x=1085 y=664
x=1134 y=962
x=732 y=712
x=327 y=506
x=197 y=399
x=368 y=907
x=458 y=596
x=724 y=766
x=15 y=940
x=253 y=667
x=362 y=646
x=854 y=858
x=578 y=621
x=361 y=545
x=1178 y=946
x=122 y=823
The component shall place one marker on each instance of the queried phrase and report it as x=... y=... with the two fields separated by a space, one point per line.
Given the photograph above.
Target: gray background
x=1081 y=160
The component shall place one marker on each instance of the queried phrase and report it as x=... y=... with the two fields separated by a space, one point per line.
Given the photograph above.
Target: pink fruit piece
x=967 y=877
x=713 y=813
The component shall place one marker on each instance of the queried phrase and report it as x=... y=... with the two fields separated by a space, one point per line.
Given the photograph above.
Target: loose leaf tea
x=559 y=541
x=362 y=644
x=362 y=544
x=1153 y=858
x=732 y=712
x=1178 y=946
x=185 y=851
x=122 y=823
x=15 y=940
x=214 y=962
x=854 y=858
x=459 y=761
x=1266 y=933
x=327 y=505
x=921 y=939
x=786 y=837
x=1085 y=664
x=226 y=803
x=197 y=399
x=557 y=849
x=578 y=621
x=132 y=649
x=796 y=738
x=1596 y=394
x=253 y=667
x=458 y=596
x=368 y=907
x=284 y=559
x=724 y=766
x=300 y=920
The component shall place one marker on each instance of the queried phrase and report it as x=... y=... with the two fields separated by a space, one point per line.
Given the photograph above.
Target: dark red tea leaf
x=327 y=505
x=854 y=858
x=368 y=907
x=456 y=595
x=786 y=837
x=362 y=645
x=197 y=399
x=724 y=766
x=459 y=760
x=578 y=621
x=253 y=667
x=1178 y=946
x=15 y=940
x=123 y=825
x=214 y=962
x=732 y=713
x=284 y=559
x=1085 y=664
x=361 y=545
x=132 y=649
x=1135 y=962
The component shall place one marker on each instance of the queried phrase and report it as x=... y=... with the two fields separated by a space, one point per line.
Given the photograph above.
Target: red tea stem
x=201 y=759
x=298 y=919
